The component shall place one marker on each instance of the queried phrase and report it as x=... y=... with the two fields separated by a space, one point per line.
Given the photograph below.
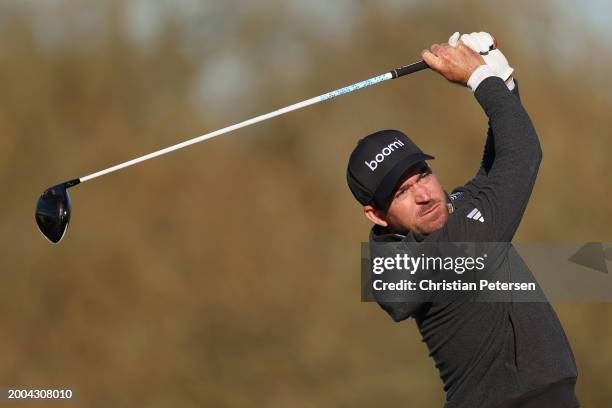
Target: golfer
x=489 y=354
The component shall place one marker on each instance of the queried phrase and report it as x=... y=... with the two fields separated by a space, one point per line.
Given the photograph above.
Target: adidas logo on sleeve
x=476 y=215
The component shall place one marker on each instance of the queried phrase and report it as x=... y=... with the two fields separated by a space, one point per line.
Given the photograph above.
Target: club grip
x=409 y=69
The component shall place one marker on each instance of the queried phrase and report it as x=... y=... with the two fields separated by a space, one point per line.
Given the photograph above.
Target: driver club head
x=53 y=211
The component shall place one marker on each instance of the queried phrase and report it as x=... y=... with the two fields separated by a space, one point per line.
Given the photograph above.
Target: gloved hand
x=484 y=44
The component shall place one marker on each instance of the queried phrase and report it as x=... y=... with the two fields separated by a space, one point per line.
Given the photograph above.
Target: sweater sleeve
x=488 y=157
x=498 y=194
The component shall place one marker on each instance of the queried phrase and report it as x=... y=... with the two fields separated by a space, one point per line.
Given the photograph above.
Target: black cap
x=378 y=164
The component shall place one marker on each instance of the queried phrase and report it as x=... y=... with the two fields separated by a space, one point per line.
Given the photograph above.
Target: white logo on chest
x=476 y=215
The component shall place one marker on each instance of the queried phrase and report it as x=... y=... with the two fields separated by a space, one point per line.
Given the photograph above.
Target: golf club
x=54 y=205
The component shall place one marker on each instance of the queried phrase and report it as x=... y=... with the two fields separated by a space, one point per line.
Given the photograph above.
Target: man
x=489 y=354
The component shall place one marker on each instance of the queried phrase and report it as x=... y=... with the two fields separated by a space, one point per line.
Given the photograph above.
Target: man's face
x=418 y=205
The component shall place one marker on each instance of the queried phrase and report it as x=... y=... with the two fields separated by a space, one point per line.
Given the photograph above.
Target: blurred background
x=227 y=274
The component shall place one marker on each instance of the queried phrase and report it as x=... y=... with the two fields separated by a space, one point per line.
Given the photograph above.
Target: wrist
x=480 y=74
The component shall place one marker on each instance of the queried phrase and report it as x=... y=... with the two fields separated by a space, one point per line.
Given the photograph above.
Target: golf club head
x=53 y=211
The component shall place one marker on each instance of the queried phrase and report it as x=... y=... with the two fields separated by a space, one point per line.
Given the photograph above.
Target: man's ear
x=375 y=215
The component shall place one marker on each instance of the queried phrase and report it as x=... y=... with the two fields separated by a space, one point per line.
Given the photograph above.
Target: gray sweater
x=490 y=352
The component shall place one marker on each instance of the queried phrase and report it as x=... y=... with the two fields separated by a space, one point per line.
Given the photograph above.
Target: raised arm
x=488 y=156
x=497 y=64
x=517 y=154
x=501 y=189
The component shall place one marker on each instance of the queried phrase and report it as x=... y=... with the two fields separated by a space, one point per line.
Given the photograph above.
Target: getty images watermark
x=486 y=272
x=422 y=264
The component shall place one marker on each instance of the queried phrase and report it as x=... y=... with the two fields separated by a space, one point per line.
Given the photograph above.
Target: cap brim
x=388 y=184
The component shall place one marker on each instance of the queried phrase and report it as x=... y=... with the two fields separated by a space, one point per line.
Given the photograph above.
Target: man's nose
x=421 y=194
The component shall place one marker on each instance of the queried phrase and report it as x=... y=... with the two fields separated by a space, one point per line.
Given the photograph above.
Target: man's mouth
x=430 y=210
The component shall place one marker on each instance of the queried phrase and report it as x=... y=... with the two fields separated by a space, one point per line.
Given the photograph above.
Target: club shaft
x=396 y=73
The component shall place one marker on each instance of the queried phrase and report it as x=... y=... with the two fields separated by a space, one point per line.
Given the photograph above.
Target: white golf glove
x=484 y=44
